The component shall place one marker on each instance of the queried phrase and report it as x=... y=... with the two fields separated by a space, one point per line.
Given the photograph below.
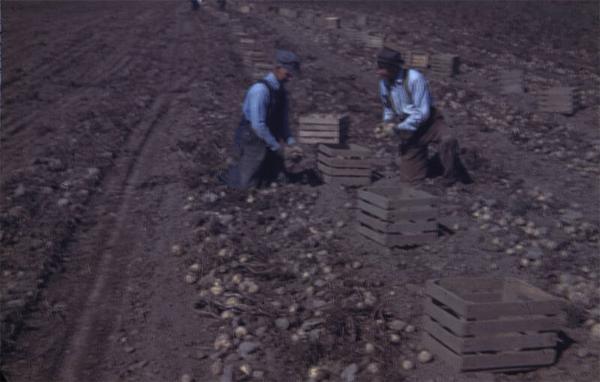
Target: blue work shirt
x=397 y=104
x=255 y=108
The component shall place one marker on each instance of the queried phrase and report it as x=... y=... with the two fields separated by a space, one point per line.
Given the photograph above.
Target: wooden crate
x=488 y=323
x=289 y=13
x=373 y=41
x=333 y=22
x=348 y=165
x=557 y=100
x=322 y=128
x=397 y=217
x=417 y=59
x=444 y=65
x=511 y=82
x=260 y=70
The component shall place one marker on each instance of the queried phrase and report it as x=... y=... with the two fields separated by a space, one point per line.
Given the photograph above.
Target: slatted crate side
x=486 y=299
x=345 y=151
x=336 y=171
x=373 y=42
x=318 y=133
x=557 y=100
x=444 y=64
x=343 y=162
x=332 y=22
x=488 y=343
x=418 y=60
x=309 y=140
x=502 y=361
x=346 y=180
x=460 y=326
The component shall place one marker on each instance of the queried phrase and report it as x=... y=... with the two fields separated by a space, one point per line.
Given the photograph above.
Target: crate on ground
x=289 y=13
x=342 y=164
x=511 y=82
x=417 y=59
x=322 y=128
x=260 y=70
x=397 y=216
x=490 y=323
x=373 y=41
x=560 y=99
x=444 y=64
x=332 y=22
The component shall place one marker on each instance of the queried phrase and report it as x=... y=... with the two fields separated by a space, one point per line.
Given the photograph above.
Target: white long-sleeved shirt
x=397 y=104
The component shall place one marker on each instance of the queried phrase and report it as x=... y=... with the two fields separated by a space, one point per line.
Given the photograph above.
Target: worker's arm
x=388 y=111
x=258 y=101
x=419 y=111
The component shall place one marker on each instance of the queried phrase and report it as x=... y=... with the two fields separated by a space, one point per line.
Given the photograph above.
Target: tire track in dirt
x=113 y=240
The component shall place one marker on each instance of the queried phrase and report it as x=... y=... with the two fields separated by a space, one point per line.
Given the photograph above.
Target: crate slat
x=319 y=134
x=345 y=151
x=497 y=362
x=346 y=180
x=335 y=171
x=344 y=163
x=320 y=127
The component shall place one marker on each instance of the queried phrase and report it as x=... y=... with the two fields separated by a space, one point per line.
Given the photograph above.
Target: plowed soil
x=124 y=259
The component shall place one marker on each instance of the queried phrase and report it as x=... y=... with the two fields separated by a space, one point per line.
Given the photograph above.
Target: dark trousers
x=413 y=161
x=195 y=5
x=256 y=165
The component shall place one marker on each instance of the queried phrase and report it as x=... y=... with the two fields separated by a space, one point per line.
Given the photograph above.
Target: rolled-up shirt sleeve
x=258 y=101
x=419 y=111
x=388 y=111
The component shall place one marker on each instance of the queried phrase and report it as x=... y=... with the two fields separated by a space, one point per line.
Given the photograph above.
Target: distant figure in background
x=221 y=4
x=409 y=114
x=263 y=131
x=196 y=4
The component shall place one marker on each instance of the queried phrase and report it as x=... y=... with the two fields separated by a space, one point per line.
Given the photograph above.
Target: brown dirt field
x=117 y=115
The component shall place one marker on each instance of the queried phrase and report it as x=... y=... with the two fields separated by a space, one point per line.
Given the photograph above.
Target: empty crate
x=348 y=165
x=322 y=128
x=488 y=323
x=397 y=217
x=557 y=100
x=333 y=22
x=444 y=65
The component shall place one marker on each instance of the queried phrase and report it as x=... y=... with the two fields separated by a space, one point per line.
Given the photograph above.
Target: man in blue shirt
x=409 y=114
x=264 y=127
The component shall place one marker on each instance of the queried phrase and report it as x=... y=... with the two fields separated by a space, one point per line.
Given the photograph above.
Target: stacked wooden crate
x=560 y=99
x=444 y=65
x=487 y=323
x=511 y=82
x=348 y=165
x=397 y=216
x=322 y=128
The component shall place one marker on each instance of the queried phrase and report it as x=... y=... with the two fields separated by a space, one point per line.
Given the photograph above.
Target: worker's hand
x=384 y=129
x=294 y=152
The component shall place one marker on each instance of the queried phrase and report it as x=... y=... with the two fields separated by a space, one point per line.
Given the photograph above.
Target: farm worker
x=264 y=132
x=410 y=115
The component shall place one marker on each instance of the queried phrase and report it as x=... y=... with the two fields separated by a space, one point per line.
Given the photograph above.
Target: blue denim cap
x=288 y=60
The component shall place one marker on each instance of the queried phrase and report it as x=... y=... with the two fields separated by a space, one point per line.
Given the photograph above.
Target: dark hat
x=389 y=58
x=288 y=60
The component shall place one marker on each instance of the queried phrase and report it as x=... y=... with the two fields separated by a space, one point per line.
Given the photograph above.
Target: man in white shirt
x=409 y=113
